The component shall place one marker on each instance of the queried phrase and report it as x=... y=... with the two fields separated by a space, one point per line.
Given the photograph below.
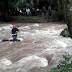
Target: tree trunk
x=36 y=3
x=58 y=6
x=68 y=16
x=1 y=9
x=69 y=21
x=4 y=12
x=65 y=10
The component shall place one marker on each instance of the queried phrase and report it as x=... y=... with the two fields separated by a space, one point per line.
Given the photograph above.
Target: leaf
x=70 y=0
x=53 y=70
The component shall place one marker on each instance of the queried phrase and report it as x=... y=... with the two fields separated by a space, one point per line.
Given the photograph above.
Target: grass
x=29 y=19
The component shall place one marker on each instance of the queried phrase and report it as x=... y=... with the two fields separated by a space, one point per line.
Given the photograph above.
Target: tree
x=21 y=3
x=7 y=5
x=69 y=18
x=4 y=10
x=37 y=3
x=67 y=4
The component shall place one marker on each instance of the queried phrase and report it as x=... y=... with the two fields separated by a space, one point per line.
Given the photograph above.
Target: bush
x=28 y=19
x=65 y=33
x=64 y=65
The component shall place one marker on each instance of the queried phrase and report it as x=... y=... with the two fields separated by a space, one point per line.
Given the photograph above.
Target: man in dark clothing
x=14 y=32
x=44 y=10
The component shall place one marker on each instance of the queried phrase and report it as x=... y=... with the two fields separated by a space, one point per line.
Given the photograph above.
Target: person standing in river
x=14 y=32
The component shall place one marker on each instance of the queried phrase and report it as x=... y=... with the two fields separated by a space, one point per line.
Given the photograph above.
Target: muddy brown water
x=40 y=39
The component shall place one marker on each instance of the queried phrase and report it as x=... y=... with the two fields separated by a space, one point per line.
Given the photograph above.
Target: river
x=41 y=47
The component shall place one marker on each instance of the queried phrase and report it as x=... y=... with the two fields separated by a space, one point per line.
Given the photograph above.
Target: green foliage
x=65 y=33
x=27 y=3
x=65 y=64
x=50 y=1
x=28 y=19
x=21 y=3
x=70 y=0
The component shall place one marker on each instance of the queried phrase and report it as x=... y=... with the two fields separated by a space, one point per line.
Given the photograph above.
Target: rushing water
x=41 y=47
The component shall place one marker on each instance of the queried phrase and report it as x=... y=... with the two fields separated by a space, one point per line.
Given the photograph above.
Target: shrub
x=65 y=65
x=28 y=19
x=65 y=33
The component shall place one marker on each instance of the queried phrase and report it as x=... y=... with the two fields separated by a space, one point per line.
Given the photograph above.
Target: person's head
x=14 y=26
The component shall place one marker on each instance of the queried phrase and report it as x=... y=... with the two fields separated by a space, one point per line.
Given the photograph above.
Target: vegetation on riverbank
x=65 y=65
x=65 y=33
x=28 y=19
